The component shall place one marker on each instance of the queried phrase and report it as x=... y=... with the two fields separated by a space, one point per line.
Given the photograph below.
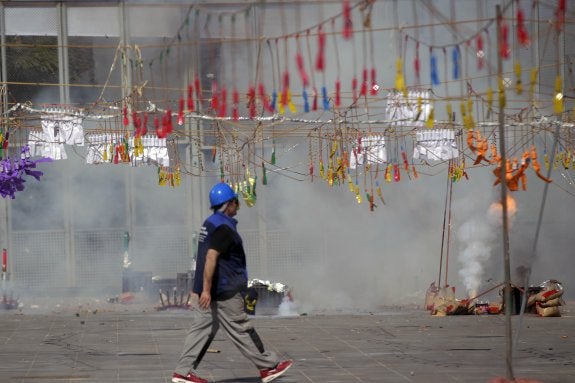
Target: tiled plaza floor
x=106 y=342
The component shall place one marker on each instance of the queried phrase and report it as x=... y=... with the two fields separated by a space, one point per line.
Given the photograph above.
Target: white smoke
x=478 y=236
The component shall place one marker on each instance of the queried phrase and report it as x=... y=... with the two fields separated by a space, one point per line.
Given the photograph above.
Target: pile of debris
x=171 y=302
x=268 y=294
x=8 y=302
x=547 y=301
x=543 y=300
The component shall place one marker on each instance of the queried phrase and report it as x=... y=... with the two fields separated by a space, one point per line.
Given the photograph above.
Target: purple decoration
x=12 y=172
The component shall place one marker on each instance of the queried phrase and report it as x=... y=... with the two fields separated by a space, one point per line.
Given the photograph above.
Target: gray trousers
x=230 y=316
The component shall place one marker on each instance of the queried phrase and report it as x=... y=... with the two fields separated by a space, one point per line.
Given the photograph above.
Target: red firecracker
x=301 y=69
x=285 y=89
x=144 y=130
x=181 y=112
x=169 y=127
x=480 y=52
x=215 y=96
x=264 y=97
x=337 y=94
x=235 y=103
x=198 y=87
x=560 y=14
x=125 y=113
x=522 y=34
x=504 y=49
x=416 y=63
x=320 y=60
x=252 y=101
x=347 y=23
x=363 y=90
x=224 y=102
x=374 y=86
x=190 y=98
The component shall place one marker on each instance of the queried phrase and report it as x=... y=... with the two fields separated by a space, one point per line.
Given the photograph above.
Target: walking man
x=219 y=280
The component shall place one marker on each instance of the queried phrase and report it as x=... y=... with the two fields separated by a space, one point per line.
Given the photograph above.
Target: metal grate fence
x=43 y=263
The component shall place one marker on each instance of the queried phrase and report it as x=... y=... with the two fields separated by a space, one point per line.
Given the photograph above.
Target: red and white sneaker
x=190 y=378
x=270 y=374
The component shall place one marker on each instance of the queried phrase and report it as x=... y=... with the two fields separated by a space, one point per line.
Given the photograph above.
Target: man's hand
x=205 y=300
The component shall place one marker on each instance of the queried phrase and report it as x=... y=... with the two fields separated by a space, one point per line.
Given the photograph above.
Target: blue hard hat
x=221 y=193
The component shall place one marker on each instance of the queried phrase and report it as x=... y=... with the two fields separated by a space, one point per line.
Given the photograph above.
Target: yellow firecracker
x=558 y=99
x=518 y=83
x=399 y=80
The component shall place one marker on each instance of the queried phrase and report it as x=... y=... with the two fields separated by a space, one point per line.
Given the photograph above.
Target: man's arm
x=209 y=269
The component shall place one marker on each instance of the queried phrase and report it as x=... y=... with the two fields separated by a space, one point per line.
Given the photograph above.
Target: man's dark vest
x=230 y=276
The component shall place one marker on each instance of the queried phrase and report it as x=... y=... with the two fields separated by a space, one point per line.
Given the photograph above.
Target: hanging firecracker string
x=125 y=120
x=181 y=104
x=169 y=126
x=501 y=91
x=300 y=64
x=137 y=122
x=337 y=79
x=159 y=131
x=222 y=110
x=310 y=155
x=522 y=34
x=144 y=129
x=274 y=84
x=354 y=82
x=320 y=155
x=280 y=100
x=416 y=63
x=518 y=82
x=287 y=99
x=523 y=39
x=433 y=68
x=558 y=97
x=235 y=93
x=560 y=14
x=251 y=103
x=262 y=94
x=368 y=195
x=431 y=116
x=235 y=103
x=504 y=49
x=399 y=79
x=320 y=58
x=347 y=31
x=363 y=88
x=198 y=86
x=302 y=74
x=405 y=161
x=181 y=111
x=190 y=98
x=373 y=90
x=320 y=65
x=215 y=102
x=479 y=51
x=489 y=91
x=313 y=84
x=456 y=58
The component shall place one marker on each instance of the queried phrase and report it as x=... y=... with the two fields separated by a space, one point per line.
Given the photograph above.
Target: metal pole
x=5 y=205
x=505 y=224
x=4 y=69
x=63 y=62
